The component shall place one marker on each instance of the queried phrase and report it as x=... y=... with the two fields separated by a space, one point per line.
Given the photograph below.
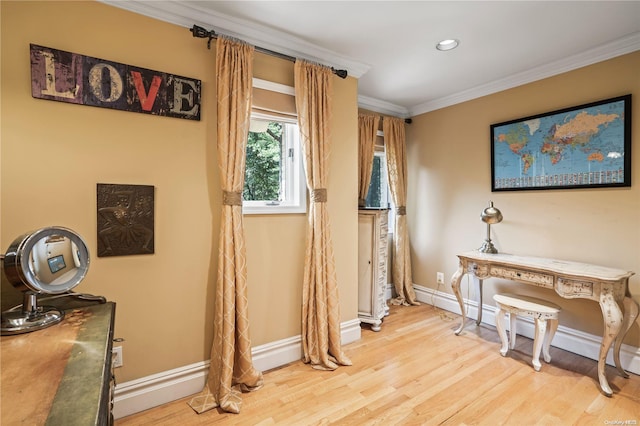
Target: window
x=379 y=195
x=274 y=174
x=274 y=182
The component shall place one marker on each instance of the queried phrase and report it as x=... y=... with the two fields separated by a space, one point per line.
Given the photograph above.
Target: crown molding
x=383 y=107
x=622 y=46
x=186 y=14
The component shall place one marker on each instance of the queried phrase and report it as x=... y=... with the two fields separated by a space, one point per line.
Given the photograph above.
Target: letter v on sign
x=146 y=99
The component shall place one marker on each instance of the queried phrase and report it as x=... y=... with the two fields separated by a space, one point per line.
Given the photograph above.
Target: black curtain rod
x=406 y=120
x=202 y=33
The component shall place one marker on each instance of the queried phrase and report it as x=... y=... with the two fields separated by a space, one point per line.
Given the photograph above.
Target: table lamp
x=490 y=215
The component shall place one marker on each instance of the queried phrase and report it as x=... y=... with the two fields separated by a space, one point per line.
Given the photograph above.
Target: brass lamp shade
x=490 y=216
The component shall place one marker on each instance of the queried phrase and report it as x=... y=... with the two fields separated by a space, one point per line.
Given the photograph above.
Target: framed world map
x=579 y=147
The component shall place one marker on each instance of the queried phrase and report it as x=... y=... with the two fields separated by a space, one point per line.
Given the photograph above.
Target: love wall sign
x=69 y=77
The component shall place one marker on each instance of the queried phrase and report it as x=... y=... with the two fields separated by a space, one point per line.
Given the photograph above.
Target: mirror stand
x=31 y=317
x=48 y=261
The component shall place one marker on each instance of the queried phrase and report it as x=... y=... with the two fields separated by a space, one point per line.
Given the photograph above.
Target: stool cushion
x=527 y=303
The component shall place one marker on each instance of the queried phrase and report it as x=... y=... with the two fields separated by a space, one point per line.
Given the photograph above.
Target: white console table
x=571 y=280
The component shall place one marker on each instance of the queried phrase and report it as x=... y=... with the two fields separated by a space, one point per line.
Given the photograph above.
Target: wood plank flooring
x=415 y=371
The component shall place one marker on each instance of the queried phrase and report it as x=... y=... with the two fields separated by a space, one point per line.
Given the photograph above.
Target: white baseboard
x=148 y=392
x=575 y=341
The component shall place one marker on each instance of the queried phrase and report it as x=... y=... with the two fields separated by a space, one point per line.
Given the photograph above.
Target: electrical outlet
x=440 y=278
x=117 y=356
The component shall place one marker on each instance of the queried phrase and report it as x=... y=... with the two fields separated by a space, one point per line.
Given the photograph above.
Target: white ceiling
x=390 y=45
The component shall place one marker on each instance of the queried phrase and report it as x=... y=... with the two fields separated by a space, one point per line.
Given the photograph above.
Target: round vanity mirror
x=50 y=260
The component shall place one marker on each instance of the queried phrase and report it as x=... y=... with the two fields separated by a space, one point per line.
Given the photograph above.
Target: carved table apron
x=571 y=280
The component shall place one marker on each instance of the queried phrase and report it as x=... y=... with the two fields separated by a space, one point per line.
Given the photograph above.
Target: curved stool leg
x=541 y=327
x=500 y=317
x=553 y=326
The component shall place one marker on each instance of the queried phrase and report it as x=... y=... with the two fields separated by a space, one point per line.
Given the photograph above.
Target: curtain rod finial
x=408 y=120
x=199 y=32
x=202 y=33
x=339 y=73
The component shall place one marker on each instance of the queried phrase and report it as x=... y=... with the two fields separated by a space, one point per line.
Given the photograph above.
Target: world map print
x=577 y=147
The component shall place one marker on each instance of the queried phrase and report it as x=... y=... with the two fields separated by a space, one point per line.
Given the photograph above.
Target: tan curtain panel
x=367 y=133
x=320 y=302
x=394 y=137
x=231 y=370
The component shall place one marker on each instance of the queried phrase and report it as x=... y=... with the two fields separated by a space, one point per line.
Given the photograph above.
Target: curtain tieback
x=232 y=198
x=401 y=211
x=319 y=195
x=362 y=202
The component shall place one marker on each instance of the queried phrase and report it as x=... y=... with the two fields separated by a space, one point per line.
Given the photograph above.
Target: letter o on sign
x=105 y=78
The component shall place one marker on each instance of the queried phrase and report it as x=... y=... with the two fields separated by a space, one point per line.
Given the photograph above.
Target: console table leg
x=479 y=318
x=455 y=286
x=630 y=315
x=612 y=324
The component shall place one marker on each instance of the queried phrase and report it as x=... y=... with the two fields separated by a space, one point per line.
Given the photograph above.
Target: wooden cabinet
x=372 y=266
x=61 y=375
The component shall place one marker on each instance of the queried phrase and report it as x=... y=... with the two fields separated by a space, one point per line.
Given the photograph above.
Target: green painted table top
x=60 y=375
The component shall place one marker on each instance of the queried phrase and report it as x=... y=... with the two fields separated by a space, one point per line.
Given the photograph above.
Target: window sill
x=251 y=210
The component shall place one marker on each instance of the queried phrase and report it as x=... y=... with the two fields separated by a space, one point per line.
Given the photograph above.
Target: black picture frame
x=559 y=149
x=56 y=263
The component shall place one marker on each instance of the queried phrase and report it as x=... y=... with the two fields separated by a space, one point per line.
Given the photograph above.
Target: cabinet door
x=365 y=263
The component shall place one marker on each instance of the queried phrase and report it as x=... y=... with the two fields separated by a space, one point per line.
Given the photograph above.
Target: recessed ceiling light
x=448 y=44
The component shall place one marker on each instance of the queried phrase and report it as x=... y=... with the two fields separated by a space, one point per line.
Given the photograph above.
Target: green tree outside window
x=264 y=157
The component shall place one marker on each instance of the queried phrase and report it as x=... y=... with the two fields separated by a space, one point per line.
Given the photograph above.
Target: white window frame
x=385 y=195
x=295 y=189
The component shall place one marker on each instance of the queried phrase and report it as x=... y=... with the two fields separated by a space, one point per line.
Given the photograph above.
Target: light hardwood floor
x=415 y=371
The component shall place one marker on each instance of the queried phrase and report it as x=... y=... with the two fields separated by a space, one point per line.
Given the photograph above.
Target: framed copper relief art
x=586 y=146
x=125 y=219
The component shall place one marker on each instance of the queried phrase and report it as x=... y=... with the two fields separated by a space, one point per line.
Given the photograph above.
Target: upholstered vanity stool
x=540 y=310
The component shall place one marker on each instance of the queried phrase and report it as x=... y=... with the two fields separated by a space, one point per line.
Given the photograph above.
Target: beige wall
x=450 y=184
x=164 y=307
